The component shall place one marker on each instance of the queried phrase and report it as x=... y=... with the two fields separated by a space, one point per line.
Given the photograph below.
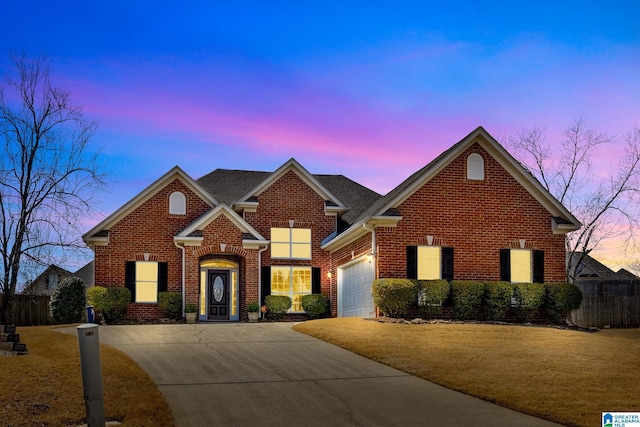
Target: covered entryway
x=354 y=289
x=219 y=290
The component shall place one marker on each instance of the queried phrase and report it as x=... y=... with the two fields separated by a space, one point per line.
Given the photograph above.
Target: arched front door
x=218 y=292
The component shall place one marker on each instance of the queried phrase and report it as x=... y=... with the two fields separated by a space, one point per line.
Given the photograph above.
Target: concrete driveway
x=266 y=374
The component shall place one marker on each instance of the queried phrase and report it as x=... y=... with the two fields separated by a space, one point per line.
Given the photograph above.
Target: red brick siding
x=477 y=218
x=148 y=229
x=291 y=198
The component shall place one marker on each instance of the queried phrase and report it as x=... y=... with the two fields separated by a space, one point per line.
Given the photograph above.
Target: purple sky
x=370 y=92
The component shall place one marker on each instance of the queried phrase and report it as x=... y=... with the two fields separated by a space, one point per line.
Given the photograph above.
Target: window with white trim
x=521 y=266
x=146 y=282
x=177 y=203
x=475 y=167
x=429 y=263
x=290 y=243
x=294 y=282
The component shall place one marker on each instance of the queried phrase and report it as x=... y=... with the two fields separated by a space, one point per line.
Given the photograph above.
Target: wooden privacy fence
x=31 y=310
x=610 y=303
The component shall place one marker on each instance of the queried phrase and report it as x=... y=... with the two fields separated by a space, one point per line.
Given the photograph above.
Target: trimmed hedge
x=315 y=305
x=527 y=297
x=111 y=303
x=432 y=295
x=394 y=297
x=68 y=301
x=277 y=305
x=171 y=304
x=496 y=300
x=466 y=296
x=561 y=299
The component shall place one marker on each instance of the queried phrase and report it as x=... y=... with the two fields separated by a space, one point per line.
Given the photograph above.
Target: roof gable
x=192 y=230
x=293 y=165
x=173 y=174
x=563 y=220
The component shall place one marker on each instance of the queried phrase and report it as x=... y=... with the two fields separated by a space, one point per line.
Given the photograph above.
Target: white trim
x=146 y=194
x=291 y=165
x=210 y=216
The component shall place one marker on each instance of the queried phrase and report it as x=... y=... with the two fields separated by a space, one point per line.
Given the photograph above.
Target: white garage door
x=354 y=289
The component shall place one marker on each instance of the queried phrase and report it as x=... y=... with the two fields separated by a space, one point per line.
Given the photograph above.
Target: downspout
x=260 y=275
x=182 y=249
x=373 y=239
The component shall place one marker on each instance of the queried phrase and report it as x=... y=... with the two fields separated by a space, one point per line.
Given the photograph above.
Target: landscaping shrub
x=561 y=299
x=277 y=305
x=315 y=305
x=171 y=304
x=431 y=296
x=95 y=296
x=114 y=304
x=527 y=297
x=497 y=299
x=467 y=297
x=68 y=301
x=394 y=296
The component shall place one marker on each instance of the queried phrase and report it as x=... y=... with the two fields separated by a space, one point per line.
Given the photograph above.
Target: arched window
x=177 y=203
x=475 y=167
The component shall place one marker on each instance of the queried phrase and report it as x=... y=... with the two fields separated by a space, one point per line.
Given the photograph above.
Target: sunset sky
x=370 y=92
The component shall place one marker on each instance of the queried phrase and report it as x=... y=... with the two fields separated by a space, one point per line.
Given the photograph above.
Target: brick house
x=233 y=237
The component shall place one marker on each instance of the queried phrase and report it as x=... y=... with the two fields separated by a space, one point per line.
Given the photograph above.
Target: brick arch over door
x=217 y=249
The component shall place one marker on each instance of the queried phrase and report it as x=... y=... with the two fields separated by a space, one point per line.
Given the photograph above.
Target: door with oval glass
x=218 y=295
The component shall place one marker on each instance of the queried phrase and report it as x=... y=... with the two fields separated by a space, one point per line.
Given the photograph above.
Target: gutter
x=182 y=249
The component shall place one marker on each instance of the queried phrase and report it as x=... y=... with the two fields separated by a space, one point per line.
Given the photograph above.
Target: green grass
x=565 y=376
x=44 y=387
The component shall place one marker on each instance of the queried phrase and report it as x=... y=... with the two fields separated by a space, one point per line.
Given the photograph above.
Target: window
x=429 y=262
x=52 y=281
x=522 y=265
x=293 y=282
x=475 y=167
x=145 y=279
x=177 y=204
x=291 y=243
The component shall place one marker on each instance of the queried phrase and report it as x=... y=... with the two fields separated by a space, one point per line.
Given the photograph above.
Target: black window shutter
x=505 y=265
x=316 y=278
x=163 y=276
x=266 y=282
x=538 y=266
x=130 y=278
x=447 y=263
x=412 y=262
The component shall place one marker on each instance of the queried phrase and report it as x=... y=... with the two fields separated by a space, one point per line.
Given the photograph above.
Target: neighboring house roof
x=562 y=220
x=87 y=274
x=591 y=268
x=98 y=233
x=42 y=284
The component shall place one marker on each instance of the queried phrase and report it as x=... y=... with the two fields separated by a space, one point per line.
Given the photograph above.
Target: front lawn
x=44 y=387
x=565 y=376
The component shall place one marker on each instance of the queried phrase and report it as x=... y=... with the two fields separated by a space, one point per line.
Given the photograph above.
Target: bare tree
x=606 y=205
x=48 y=176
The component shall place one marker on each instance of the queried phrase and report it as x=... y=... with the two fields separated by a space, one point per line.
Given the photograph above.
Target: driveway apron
x=267 y=374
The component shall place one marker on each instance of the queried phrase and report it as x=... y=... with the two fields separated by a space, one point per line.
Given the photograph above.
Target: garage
x=354 y=289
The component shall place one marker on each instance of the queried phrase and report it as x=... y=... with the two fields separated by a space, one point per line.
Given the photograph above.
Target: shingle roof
x=228 y=185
